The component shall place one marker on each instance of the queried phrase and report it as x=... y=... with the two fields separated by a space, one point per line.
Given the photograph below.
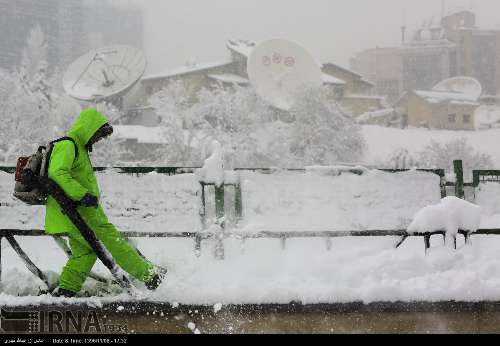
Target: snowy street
x=261 y=270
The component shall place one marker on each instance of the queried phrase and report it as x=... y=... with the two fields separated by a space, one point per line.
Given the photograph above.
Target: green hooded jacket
x=75 y=175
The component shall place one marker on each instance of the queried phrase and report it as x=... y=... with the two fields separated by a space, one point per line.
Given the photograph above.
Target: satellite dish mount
x=105 y=74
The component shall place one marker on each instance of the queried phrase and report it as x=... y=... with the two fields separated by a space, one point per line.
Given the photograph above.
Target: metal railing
x=219 y=197
x=283 y=236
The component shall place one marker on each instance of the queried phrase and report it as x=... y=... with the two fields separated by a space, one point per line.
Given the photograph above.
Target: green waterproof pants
x=83 y=258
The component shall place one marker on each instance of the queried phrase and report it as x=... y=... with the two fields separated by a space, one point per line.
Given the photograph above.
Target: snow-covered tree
x=33 y=72
x=31 y=113
x=442 y=155
x=400 y=159
x=180 y=125
x=249 y=130
x=233 y=115
x=322 y=134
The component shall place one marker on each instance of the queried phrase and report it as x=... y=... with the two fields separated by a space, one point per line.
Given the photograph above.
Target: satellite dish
x=104 y=73
x=278 y=68
x=463 y=85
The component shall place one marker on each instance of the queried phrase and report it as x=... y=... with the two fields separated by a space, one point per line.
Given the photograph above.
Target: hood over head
x=87 y=124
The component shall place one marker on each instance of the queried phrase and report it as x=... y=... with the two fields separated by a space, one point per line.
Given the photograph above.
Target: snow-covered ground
x=261 y=271
x=383 y=141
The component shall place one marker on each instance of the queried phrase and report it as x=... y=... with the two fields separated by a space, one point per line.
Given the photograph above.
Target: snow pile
x=451 y=215
x=212 y=171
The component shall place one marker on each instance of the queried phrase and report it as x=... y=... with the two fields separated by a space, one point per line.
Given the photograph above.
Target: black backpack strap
x=51 y=147
x=66 y=139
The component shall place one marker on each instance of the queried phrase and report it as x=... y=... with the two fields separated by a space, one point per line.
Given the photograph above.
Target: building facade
x=452 y=47
x=438 y=110
x=71 y=27
x=350 y=89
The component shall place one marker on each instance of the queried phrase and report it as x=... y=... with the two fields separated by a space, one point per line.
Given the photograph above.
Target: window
x=466 y=118
x=452 y=118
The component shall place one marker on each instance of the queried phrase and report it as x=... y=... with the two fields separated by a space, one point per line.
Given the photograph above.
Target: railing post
x=203 y=213
x=459 y=176
x=203 y=219
x=427 y=242
x=1 y=263
x=238 y=203
x=475 y=178
x=442 y=183
x=220 y=213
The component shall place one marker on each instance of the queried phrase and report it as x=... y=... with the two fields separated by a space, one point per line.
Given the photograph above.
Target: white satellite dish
x=104 y=73
x=278 y=68
x=463 y=85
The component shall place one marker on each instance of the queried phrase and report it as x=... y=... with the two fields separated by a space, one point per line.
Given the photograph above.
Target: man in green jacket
x=72 y=170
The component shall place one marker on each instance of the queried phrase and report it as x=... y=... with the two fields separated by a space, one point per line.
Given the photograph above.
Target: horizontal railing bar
x=39 y=233
x=129 y=170
x=263 y=234
x=173 y=169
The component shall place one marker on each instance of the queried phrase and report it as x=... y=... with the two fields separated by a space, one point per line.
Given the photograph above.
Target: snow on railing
x=222 y=179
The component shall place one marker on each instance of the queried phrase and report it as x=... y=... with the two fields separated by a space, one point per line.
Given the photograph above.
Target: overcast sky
x=332 y=30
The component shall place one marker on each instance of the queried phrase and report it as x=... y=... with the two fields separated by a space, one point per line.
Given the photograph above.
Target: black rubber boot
x=157 y=279
x=61 y=292
x=154 y=283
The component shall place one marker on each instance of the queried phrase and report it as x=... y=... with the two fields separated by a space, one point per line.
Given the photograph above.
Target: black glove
x=89 y=201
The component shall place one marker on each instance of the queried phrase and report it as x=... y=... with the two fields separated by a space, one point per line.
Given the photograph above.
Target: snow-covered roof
x=376 y=114
x=439 y=97
x=229 y=78
x=368 y=97
x=155 y=135
x=187 y=69
x=329 y=79
x=342 y=68
x=356 y=74
x=416 y=44
x=243 y=47
x=143 y=134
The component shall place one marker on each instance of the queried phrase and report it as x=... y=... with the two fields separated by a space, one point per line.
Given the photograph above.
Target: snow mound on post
x=212 y=171
x=451 y=215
